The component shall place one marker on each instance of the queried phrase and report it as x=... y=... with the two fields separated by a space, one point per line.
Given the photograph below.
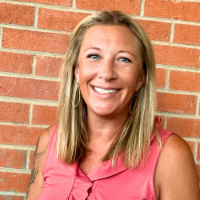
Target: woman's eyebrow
x=123 y=51
x=95 y=48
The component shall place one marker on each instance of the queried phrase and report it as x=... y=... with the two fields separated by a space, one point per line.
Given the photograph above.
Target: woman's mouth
x=104 y=91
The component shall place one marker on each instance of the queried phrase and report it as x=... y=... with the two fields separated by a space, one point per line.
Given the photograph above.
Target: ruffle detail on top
x=80 y=189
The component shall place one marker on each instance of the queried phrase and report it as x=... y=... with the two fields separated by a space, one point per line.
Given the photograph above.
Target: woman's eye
x=93 y=56
x=125 y=60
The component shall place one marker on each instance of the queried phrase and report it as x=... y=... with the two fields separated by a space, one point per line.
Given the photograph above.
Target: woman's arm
x=176 y=175
x=36 y=180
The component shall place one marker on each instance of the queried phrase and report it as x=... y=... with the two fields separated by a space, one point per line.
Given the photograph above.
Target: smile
x=103 y=91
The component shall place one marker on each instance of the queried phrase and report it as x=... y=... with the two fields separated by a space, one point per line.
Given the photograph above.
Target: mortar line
x=73 y=3
x=163 y=90
x=33 y=64
x=35 y=29
x=197 y=106
x=23 y=125
x=10 y=50
x=29 y=76
x=27 y=159
x=165 y=122
x=195 y=151
x=20 y=171
x=178 y=68
x=1 y=36
x=179 y=115
x=28 y=101
x=36 y=17
x=191 y=139
x=172 y=33
x=167 y=79
x=12 y=193
x=17 y=147
x=142 y=8
x=30 y=113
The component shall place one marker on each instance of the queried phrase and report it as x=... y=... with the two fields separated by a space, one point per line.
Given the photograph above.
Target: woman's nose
x=107 y=70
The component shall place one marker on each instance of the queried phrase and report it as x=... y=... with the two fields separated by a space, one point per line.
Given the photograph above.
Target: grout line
x=17 y=147
x=191 y=139
x=36 y=17
x=179 y=115
x=33 y=65
x=1 y=36
x=195 y=151
x=167 y=80
x=28 y=101
x=172 y=33
x=2 y=193
x=30 y=113
x=163 y=90
x=23 y=125
x=32 y=28
x=15 y=170
x=142 y=8
x=29 y=76
x=27 y=159
x=73 y=3
x=165 y=123
x=197 y=106
x=178 y=68
x=32 y=52
x=176 y=44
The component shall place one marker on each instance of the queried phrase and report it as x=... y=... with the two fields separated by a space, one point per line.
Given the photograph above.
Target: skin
x=109 y=51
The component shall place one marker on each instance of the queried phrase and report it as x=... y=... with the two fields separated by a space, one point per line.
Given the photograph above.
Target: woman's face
x=109 y=69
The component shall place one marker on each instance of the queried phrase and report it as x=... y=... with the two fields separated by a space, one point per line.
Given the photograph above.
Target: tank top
x=68 y=182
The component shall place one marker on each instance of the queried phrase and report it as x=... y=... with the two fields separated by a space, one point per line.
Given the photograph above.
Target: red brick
x=48 y=66
x=11 y=158
x=44 y=115
x=14 y=182
x=15 y=62
x=182 y=126
x=186 y=81
x=196 y=128
x=31 y=159
x=180 y=10
x=161 y=75
x=16 y=14
x=10 y=197
x=19 y=135
x=180 y=56
x=34 y=40
x=50 y=2
x=198 y=170
x=14 y=112
x=28 y=88
x=187 y=34
x=159 y=31
x=176 y=103
x=59 y=20
x=132 y=7
x=198 y=152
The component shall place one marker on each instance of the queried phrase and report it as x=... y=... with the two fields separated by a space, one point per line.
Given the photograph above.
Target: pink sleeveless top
x=68 y=182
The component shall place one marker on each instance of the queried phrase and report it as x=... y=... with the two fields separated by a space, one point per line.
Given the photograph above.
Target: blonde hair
x=134 y=140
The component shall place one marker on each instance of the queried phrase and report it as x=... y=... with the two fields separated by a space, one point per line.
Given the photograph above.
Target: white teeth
x=102 y=91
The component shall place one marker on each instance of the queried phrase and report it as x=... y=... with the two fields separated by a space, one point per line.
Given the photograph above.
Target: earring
x=79 y=96
x=133 y=100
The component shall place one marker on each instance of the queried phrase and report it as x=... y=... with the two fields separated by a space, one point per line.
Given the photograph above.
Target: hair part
x=134 y=140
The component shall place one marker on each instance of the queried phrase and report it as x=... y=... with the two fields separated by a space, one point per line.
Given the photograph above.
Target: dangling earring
x=79 y=97
x=133 y=100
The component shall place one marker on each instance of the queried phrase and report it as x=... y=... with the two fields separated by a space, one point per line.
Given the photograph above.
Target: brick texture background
x=33 y=41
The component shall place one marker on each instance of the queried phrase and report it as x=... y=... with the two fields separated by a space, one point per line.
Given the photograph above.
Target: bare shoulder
x=176 y=175
x=36 y=179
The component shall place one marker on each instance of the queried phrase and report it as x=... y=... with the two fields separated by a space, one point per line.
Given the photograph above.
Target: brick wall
x=33 y=39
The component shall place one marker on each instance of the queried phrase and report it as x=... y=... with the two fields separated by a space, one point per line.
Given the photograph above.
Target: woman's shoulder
x=176 y=174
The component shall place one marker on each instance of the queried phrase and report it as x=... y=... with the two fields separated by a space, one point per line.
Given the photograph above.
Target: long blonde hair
x=134 y=140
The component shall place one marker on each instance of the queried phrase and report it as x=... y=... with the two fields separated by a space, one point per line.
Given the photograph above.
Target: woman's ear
x=76 y=74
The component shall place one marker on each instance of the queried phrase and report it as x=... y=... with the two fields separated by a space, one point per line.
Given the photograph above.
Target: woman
x=107 y=143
